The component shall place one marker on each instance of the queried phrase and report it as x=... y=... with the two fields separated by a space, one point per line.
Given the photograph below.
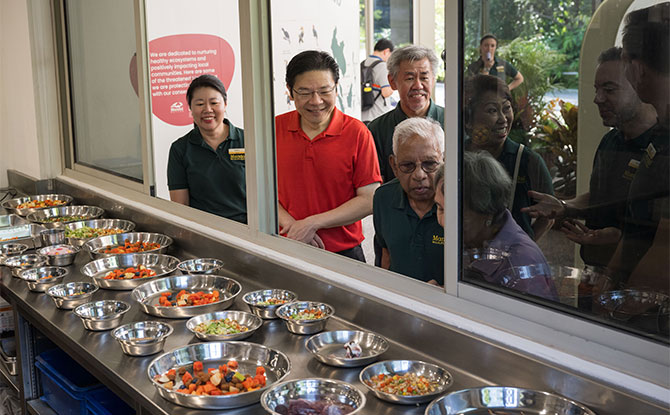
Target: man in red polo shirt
x=327 y=168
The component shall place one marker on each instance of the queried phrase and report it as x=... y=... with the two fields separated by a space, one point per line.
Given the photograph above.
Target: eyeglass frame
x=423 y=166
x=308 y=95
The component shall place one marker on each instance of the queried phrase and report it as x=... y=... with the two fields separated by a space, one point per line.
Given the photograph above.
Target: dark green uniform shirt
x=416 y=246
x=501 y=69
x=215 y=180
x=382 y=131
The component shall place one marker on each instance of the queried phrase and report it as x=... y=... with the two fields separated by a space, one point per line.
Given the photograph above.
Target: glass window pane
x=393 y=19
x=103 y=82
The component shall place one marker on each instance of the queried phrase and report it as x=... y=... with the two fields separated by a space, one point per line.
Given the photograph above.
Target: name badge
x=634 y=163
x=500 y=68
x=236 y=153
x=651 y=151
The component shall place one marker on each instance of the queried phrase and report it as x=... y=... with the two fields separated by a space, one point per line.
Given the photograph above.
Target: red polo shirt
x=318 y=175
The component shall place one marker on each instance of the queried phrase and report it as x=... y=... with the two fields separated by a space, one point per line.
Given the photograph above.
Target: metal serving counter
x=472 y=362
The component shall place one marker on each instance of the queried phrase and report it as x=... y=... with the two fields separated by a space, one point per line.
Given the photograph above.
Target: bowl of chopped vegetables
x=305 y=317
x=224 y=325
x=24 y=206
x=20 y=262
x=200 y=266
x=264 y=303
x=57 y=217
x=142 y=338
x=128 y=271
x=181 y=296
x=102 y=315
x=405 y=381
x=78 y=233
x=127 y=243
x=313 y=396
x=217 y=375
x=40 y=279
x=68 y=296
x=60 y=255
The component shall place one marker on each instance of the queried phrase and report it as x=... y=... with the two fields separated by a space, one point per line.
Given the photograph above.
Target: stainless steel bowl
x=253 y=299
x=35 y=277
x=55 y=236
x=96 y=246
x=59 y=259
x=212 y=354
x=148 y=293
x=12 y=220
x=200 y=266
x=65 y=295
x=102 y=315
x=98 y=269
x=44 y=216
x=250 y=321
x=20 y=262
x=328 y=347
x=124 y=225
x=499 y=399
x=142 y=338
x=312 y=390
x=12 y=205
x=304 y=326
x=11 y=249
x=432 y=372
x=644 y=310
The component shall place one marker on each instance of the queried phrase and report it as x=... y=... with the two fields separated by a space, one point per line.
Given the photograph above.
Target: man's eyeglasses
x=428 y=166
x=306 y=93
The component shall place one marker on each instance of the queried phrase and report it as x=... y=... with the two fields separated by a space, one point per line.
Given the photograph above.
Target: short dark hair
x=310 y=60
x=383 y=44
x=488 y=36
x=475 y=87
x=206 y=81
x=610 y=55
x=646 y=36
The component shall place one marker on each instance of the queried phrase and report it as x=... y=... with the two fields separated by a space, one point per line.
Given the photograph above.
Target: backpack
x=368 y=96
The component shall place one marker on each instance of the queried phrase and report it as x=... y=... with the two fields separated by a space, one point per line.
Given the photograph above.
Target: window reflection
x=619 y=221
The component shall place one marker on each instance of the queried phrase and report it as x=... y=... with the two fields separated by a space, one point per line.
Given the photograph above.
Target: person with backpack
x=375 y=86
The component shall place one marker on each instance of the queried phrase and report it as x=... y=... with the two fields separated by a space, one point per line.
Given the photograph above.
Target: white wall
x=18 y=130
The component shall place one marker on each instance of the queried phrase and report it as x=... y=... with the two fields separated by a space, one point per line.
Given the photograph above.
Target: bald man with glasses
x=404 y=210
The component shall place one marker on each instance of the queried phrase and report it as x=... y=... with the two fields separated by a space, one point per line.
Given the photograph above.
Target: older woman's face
x=491 y=120
x=439 y=201
x=475 y=230
x=208 y=109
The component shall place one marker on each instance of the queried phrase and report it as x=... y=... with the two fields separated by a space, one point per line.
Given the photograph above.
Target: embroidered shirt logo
x=236 y=153
x=438 y=240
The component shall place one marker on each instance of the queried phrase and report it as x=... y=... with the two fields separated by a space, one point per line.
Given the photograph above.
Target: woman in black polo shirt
x=206 y=166
x=488 y=121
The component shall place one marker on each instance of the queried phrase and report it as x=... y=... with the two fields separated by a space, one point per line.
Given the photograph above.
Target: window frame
x=525 y=327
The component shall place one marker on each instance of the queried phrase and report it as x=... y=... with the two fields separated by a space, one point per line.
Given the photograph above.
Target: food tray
x=401 y=367
x=95 y=246
x=148 y=293
x=248 y=320
x=11 y=205
x=125 y=225
x=86 y=212
x=504 y=400
x=248 y=355
x=328 y=347
x=11 y=220
x=161 y=264
x=28 y=234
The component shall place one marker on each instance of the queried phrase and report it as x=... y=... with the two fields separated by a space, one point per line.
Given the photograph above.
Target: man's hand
x=317 y=242
x=547 y=206
x=579 y=233
x=303 y=230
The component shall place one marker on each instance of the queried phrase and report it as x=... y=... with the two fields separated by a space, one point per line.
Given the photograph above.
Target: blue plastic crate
x=104 y=402
x=64 y=382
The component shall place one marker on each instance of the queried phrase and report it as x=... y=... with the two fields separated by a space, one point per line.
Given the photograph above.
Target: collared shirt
x=533 y=175
x=318 y=175
x=382 y=130
x=415 y=245
x=501 y=68
x=215 y=179
x=379 y=80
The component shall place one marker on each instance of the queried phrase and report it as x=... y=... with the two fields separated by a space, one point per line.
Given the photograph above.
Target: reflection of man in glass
x=404 y=211
x=412 y=73
x=489 y=64
x=615 y=163
x=206 y=166
x=327 y=169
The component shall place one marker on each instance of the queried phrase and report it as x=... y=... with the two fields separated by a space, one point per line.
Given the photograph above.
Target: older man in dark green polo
x=404 y=211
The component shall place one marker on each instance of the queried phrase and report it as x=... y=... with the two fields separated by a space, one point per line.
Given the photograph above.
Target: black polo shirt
x=614 y=166
x=215 y=179
x=533 y=175
x=416 y=246
x=501 y=68
x=382 y=129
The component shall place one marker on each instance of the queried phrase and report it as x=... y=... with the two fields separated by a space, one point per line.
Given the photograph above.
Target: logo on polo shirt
x=438 y=240
x=177 y=107
x=236 y=153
